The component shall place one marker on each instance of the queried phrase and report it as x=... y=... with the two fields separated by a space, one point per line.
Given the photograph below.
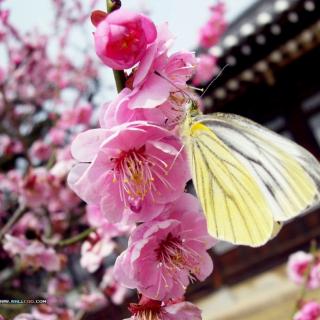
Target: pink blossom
x=4 y=15
x=32 y=253
x=62 y=168
x=207 y=68
x=99 y=245
x=314 y=280
x=41 y=188
x=39 y=315
x=158 y=91
x=59 y=285
x=155 y=310
x=57 y=136
x=112 y=288
x=164 y=255
x=94 y=250
x=48 y=312
x=122 y=38
x=40 y=151
x=131 y=172
x=91 y=301
x=29 y=221
x=98 y=220
x=309 y=311
x=9 y=146
x=161 y=78
x=79 y=115
x=118 y=112
x=211 y=32
x=298 y=264
x=24 y=316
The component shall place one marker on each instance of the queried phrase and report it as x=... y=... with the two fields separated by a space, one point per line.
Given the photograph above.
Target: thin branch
x=303 y=291
x=81 y=236
x=14 y=218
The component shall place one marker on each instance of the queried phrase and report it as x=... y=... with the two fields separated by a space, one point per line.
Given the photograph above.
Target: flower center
x=135 y=171
x=130 y=40
x=170 y=253
x=175 y=256
x=149 y=310
x=147 y=315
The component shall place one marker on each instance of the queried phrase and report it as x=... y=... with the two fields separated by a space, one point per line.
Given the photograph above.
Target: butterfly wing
x=234 y=205
x=277 y=226
x=287 y=173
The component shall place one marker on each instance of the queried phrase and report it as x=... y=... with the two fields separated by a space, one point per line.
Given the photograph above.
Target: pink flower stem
x=303 y=290
x=119 y=76
x=81 y=236
x=14 y=218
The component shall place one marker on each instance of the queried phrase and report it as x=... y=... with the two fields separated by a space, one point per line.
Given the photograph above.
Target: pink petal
x=153 y=92
x=112 y=206
x=86 y=145
x=145 y=65
x=149 y=27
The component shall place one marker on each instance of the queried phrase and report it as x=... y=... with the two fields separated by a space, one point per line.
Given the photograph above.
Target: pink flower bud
x=122 y=38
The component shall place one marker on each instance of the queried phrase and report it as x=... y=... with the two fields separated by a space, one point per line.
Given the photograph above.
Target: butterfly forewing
x=246 y=176
x=287 y=173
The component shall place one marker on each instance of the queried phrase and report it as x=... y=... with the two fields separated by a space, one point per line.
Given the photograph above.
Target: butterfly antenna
x=214 y=79
x=176 y=157
x=195 y=88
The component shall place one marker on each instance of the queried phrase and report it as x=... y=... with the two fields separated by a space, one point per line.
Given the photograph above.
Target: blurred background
x=272 y=52
x=271 y=49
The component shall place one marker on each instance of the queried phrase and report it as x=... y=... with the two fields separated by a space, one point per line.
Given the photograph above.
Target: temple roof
x=268 y=36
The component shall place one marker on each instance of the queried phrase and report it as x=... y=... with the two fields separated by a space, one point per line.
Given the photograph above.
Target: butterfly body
x=247 y=177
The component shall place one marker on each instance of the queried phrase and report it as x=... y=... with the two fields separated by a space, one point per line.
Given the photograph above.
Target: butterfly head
x=192 y=109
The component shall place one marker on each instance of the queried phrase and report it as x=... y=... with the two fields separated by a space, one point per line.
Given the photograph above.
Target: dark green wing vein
x=275 y=165
x=213 y=176
x=230 y=219
x=238 y=184
x=199 y=174
x=265 y=152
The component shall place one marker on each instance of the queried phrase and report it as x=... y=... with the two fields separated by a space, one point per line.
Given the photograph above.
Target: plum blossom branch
x=14 y=218
x=303 y=290
x=113 y=5
x=77 y=238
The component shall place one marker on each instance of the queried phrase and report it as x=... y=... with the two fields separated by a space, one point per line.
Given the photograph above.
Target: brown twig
x=14 y=218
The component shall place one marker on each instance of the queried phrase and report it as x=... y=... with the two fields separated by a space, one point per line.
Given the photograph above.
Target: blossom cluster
x=134 y=169
x=46 y=99
x=301 y=265
x=209 y=35
x=310 y=310
x=127 y=162
x=303 y=268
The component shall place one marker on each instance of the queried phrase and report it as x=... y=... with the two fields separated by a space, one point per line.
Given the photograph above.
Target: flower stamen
x=135 y=172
